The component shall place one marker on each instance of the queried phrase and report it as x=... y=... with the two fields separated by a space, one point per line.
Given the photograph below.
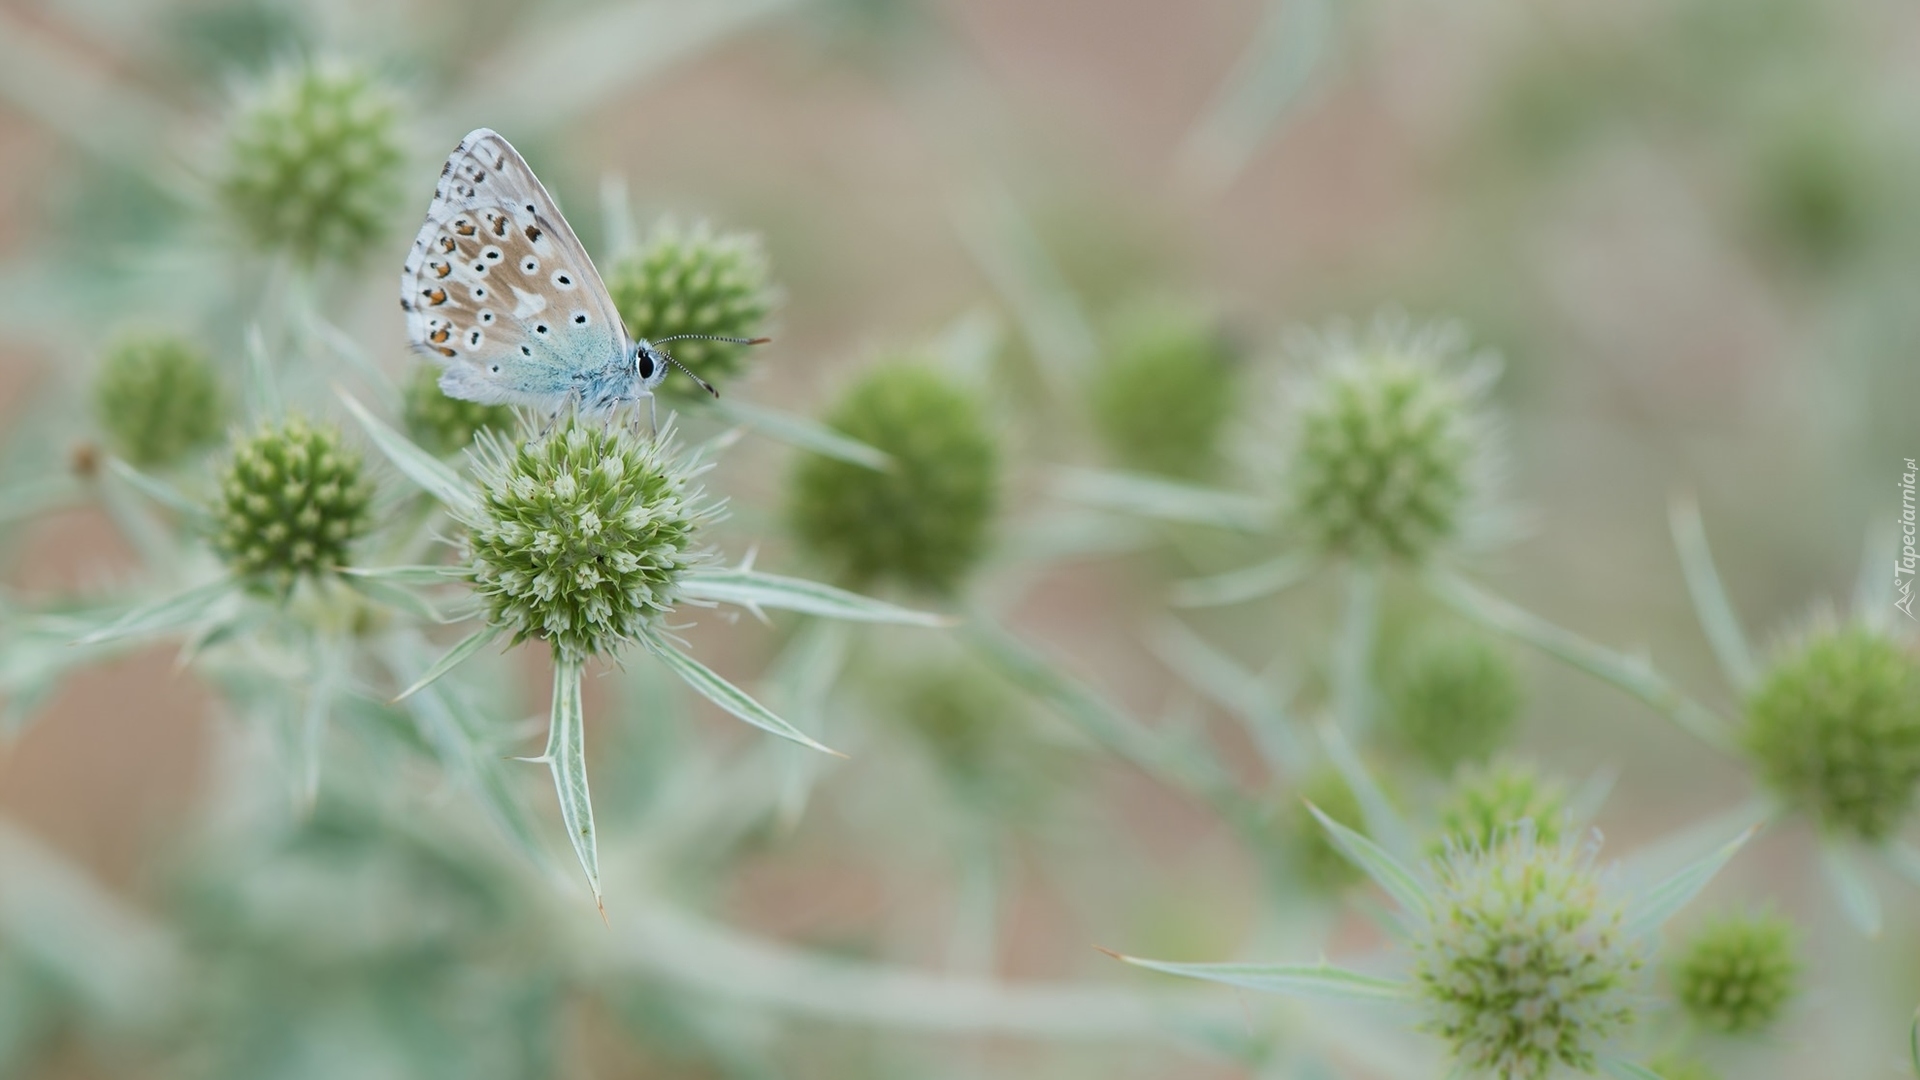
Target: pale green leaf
x=1249 y=583
x=1651 y=910
x=156 y=489
x=566 y=756
x=752 y=589
x=805 y=433
x=1858 y=898
x=1386 y=871
x=166 y=614
x=1161 y=499
x=726 y=695
x=453 y=658
x=1710 y=602
x=432 y=474
x=404 y=575
x=1634 y=675
x=1320 y=980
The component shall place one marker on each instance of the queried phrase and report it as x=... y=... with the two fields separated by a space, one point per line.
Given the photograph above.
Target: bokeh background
x=1688 y=228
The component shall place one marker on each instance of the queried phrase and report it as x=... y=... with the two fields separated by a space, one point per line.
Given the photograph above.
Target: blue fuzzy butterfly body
x=499 y=290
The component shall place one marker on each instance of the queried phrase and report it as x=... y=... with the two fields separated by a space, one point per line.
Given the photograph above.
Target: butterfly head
x=650 y=361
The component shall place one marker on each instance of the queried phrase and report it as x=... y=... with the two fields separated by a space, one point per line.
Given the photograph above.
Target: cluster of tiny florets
x=1389 y=450
x=444 y=425
x=158 y=398
x=1737 y=972
x=580 y=538
x=1834 y=727
x=1453 y=698
x=922 y=522
x=292 y=498
x=1161 y=402
x=693 y=280
x=313 y=162
x=1526 y=966
x=1489 y=802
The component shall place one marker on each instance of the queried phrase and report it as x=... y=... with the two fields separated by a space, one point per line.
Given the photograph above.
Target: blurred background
x=1687 y=227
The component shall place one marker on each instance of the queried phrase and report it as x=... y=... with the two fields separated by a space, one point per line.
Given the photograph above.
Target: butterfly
x=500 y=292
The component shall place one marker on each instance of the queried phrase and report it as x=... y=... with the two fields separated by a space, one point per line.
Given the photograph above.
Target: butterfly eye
x=645 y=364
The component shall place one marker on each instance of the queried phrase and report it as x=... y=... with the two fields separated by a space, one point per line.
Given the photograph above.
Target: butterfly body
x=499 y=291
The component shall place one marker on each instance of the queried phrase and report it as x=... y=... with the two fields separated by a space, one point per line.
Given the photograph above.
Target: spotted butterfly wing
x=498 y=289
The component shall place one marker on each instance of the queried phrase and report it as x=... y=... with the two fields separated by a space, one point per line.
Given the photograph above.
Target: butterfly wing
x=499 y=290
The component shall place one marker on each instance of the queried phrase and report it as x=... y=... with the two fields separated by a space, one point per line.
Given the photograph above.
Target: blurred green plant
x=158 y=399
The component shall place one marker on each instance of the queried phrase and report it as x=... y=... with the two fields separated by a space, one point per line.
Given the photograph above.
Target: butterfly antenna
x=704 y=384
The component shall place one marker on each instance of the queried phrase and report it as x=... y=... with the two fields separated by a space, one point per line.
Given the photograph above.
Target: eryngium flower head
x=692 y=280
x=1525 y=966
x=1834 y=728
x=580 y=538
x=1490 y=802
x=312 y=162
x=1165 y=395
x=158 y=398
x=1390 y=454
x=1454 y=697
x=444 y=425
x=1737 y=972
x=292 y=498
x=923 y=521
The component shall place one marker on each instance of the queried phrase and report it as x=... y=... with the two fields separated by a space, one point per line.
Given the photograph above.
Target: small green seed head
x=292 y=499
x=692 y=280
x=444 y=425
x=158 y=398
x=1318 y=862
x=1491 y=801
x=1737 y=972
x=1526 y=966
x=1390 y=453
x=1834 y=729
x=581 y=538
x=313 y=161
x=1162 y=402
x=1454 y=698
x=923 y=523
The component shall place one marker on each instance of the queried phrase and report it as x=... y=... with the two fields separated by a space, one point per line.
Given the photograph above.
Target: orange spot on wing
x=436 y=297
x=444 y=351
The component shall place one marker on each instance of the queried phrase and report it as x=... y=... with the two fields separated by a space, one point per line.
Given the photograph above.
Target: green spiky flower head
x=1833 y=727
x=1390 y=453
x=1525 y=966
x=923 y=522
x=1491 y=801
x=158 y=398
x=580 y=538
x=292 y=499
x=1453 y=697
x=313 y=162
x=1737 y=972
x=444 y=425
x=690 y=279
x=1164 y=398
